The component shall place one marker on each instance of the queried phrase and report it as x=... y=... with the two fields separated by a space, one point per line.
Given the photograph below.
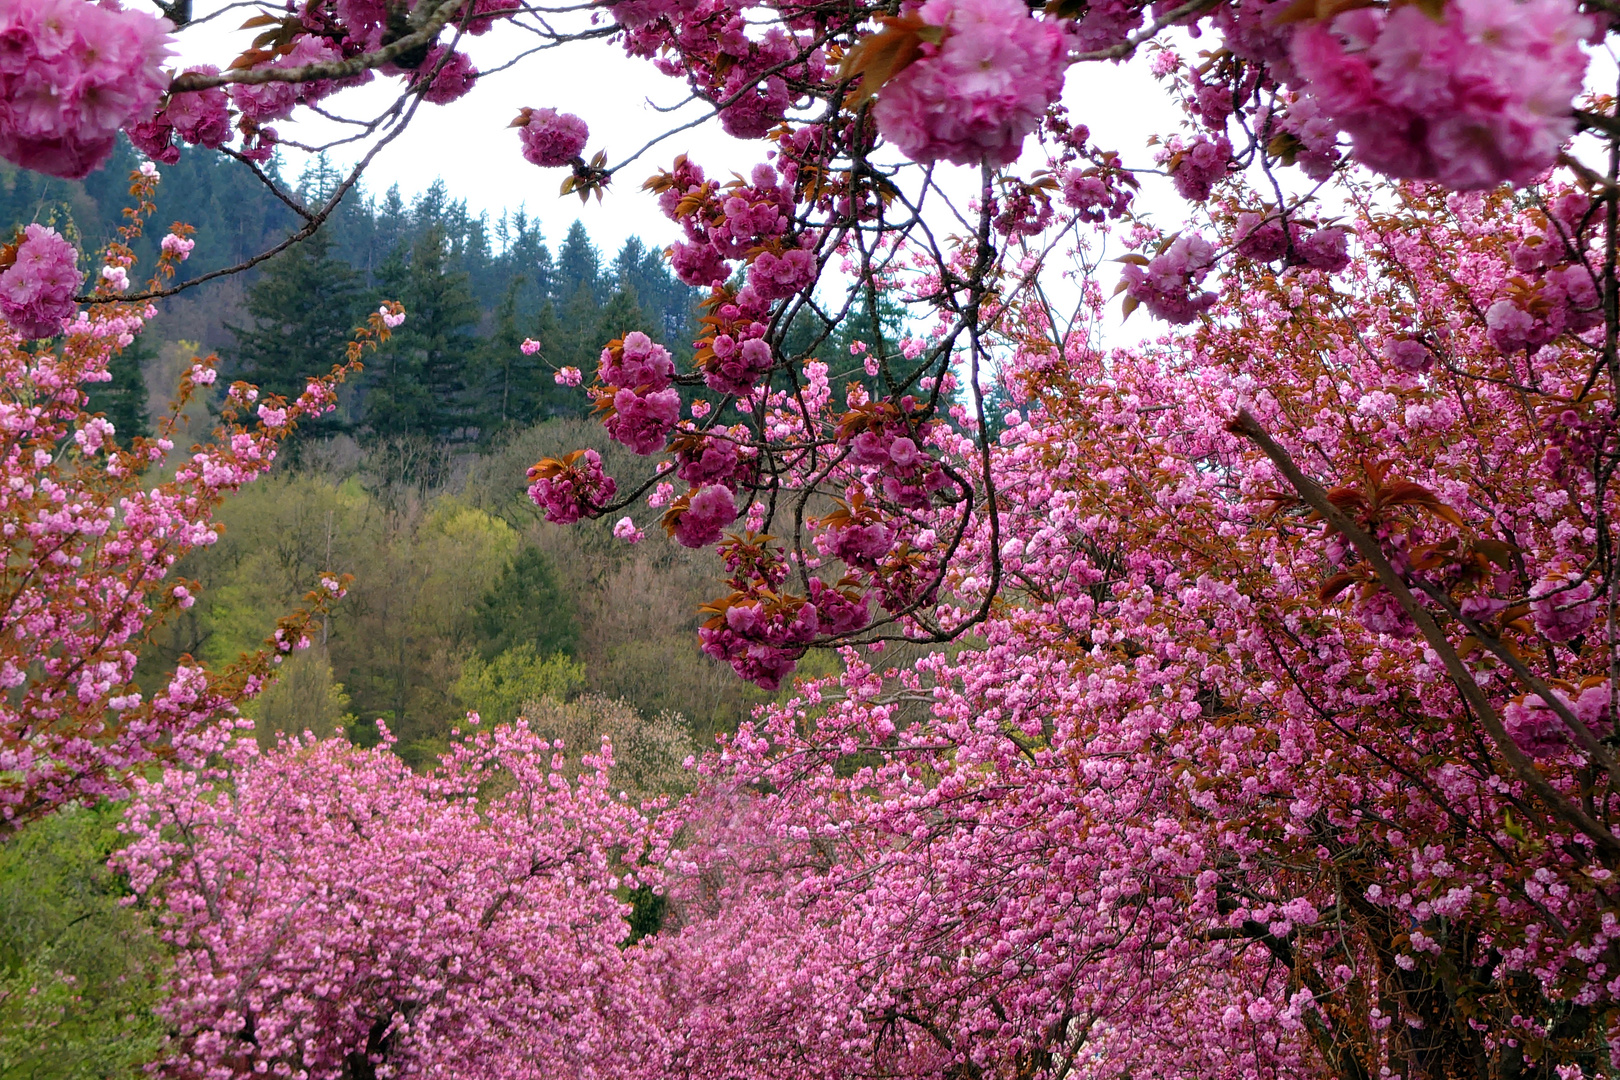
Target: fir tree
x=524 y=254
x=392 y=224
x=560 y=344
x=420 y=382
x=304 y=309
x=579 y=268
x=506 y=402
x=526 y=606
x=622 y=314
x=575 y=341
x=662 y=296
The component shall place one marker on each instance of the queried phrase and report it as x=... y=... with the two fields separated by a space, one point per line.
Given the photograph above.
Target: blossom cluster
x=551 y=138
x=71 y=74
x=36 y=290
x=641 y=405
x=571 y=486
x=975 y=96
x=1477 y=96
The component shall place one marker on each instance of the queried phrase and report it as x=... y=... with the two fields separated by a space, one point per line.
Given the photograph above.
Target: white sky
x=469 y=145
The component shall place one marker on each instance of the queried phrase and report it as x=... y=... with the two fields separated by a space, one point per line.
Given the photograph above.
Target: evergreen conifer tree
x=526 y=606
x=506 y=402
x=579 y=268
x=304 y=309
x=622 y=314
x=662 y=296
x=419 y=384
x=560 y=344
x=392 y=224
x=524 y=253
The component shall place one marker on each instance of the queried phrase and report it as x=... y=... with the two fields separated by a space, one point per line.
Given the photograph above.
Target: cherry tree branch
x=1316 y=498
x=330 y=69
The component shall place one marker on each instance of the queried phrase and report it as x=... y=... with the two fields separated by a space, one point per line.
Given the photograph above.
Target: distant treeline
x=473 y=289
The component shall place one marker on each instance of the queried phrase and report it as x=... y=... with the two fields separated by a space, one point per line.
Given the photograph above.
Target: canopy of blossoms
x=1257 y=718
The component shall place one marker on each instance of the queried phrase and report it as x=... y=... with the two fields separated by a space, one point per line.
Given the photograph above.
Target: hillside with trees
x=808 y=645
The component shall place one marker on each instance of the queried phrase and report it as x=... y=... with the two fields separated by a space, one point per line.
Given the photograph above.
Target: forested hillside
x=462 y=598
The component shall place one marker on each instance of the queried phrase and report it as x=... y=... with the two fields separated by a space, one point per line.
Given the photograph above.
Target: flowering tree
x=337 y=914
x=1288 y=746
x=1284 y=749
x=1284 y=744
x=90 y=543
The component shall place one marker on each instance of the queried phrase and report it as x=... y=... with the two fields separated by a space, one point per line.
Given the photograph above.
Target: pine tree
x=622 y=314
x=420 y=382
x=524 y=254
x=304 y=309
x=581 y=345
x=526 y=606
x=393 y=221
x=508 y=368
x=661 y=295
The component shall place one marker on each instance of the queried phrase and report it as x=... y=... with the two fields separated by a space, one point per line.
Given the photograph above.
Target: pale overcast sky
x=469 y=145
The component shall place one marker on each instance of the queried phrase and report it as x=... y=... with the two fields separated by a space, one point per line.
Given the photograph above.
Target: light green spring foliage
x=498 y=689
x=442 y=573
x=81 y=972
x=303 y=697
x=280 y=534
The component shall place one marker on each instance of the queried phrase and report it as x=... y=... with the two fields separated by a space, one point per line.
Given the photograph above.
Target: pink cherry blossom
x=551 y=138
x=974 y=97
x=643 y=421
x=708 y=511
x=1168 y=286
x=328 y=935
x=36 y=291
x=1195 y=167
x=1562 y=604
x=452 y=77
x=177 y=245
x=1476 y=97
x=202 y=116
x=637 y=363
x=570 y=487
x=71 y=74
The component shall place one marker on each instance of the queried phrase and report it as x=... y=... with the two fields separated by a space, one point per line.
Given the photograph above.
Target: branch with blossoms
x=858 y=107
x=91 y=545
x=1314 y=496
